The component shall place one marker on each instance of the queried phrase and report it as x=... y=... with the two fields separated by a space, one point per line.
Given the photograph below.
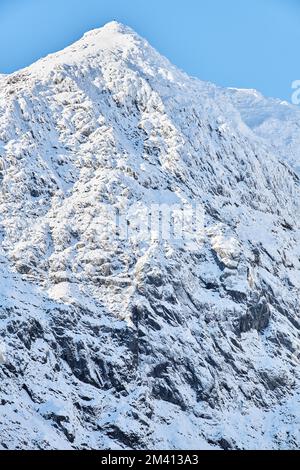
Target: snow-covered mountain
x=122 y=342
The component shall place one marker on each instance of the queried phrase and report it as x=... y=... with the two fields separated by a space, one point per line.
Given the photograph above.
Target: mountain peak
x=112 y=35
x=99 y=48
x=111 y=38
x=111 y=28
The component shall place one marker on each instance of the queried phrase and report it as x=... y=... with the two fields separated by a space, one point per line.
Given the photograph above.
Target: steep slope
x=139 y=340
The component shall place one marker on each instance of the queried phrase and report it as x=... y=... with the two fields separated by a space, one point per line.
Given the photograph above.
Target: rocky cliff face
x=137 y=340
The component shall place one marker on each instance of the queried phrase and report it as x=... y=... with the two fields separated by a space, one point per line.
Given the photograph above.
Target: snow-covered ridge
x=129 y=343
x=277 y=122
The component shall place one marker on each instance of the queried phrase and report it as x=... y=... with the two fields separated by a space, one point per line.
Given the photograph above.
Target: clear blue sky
x=242 y=43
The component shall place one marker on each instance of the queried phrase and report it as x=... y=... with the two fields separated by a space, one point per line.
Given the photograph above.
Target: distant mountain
x=276 y=122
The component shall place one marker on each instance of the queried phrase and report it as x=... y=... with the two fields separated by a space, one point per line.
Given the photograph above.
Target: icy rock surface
x=125 y=344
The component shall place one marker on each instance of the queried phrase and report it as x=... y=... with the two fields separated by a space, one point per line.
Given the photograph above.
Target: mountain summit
x=149 y=257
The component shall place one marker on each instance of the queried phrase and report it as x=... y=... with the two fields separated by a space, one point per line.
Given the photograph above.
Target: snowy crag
x=108 y=342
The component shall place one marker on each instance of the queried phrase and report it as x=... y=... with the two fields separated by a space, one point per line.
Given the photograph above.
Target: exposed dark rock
x=257 y=318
